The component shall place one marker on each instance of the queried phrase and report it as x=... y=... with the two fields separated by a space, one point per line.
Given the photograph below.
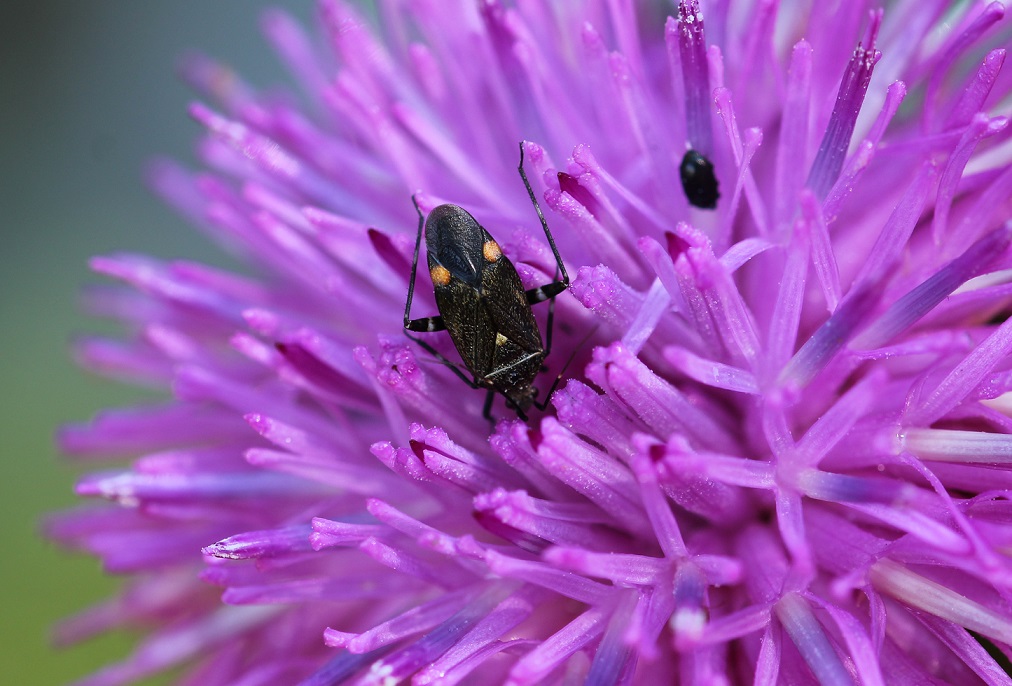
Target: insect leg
x=542 y=293
x=516 y=408
x=548 y=327
x=414 y=263
x=543 y=405
x=486 y=411
x=436 y=354
x=425 y=324
x=544 y=224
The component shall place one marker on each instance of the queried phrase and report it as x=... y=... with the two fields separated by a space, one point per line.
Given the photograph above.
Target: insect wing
x=518 y=349
x=468 y=323
x=506 y=301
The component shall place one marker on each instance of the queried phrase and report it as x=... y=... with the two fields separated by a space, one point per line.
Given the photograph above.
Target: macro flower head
x=780 y=448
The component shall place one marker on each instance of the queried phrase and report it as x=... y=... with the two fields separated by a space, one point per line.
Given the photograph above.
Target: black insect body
x=483 y=305
x=698 y=180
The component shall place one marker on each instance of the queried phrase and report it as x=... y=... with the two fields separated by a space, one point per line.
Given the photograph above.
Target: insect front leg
x=546 y=292
x=550 y=290
x=559 y=266
x=426 y=323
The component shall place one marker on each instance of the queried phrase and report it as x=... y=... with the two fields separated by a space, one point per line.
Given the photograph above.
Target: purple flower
x=781 y=451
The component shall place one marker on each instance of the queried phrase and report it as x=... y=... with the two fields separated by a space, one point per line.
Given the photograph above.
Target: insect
x=698 y=180
x=483 y=305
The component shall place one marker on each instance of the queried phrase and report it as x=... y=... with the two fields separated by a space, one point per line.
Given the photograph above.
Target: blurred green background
x=89 y=94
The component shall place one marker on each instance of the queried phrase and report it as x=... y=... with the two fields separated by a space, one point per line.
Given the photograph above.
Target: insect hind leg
x=442 y=358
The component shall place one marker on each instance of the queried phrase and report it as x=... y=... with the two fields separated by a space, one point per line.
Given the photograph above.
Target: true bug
x=483 y=305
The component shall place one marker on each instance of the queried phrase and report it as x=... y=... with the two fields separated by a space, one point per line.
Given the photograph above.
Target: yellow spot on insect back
x=440 y=275
x=491 y=251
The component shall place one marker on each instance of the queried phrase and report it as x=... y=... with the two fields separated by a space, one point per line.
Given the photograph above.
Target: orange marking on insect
x=440 y=275
x=491 y=251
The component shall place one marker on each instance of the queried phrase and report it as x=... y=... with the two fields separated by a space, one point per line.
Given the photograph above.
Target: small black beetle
x=698 y=180
x=483 y=305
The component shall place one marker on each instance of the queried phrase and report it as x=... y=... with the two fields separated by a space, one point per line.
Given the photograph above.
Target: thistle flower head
x=780 y=452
